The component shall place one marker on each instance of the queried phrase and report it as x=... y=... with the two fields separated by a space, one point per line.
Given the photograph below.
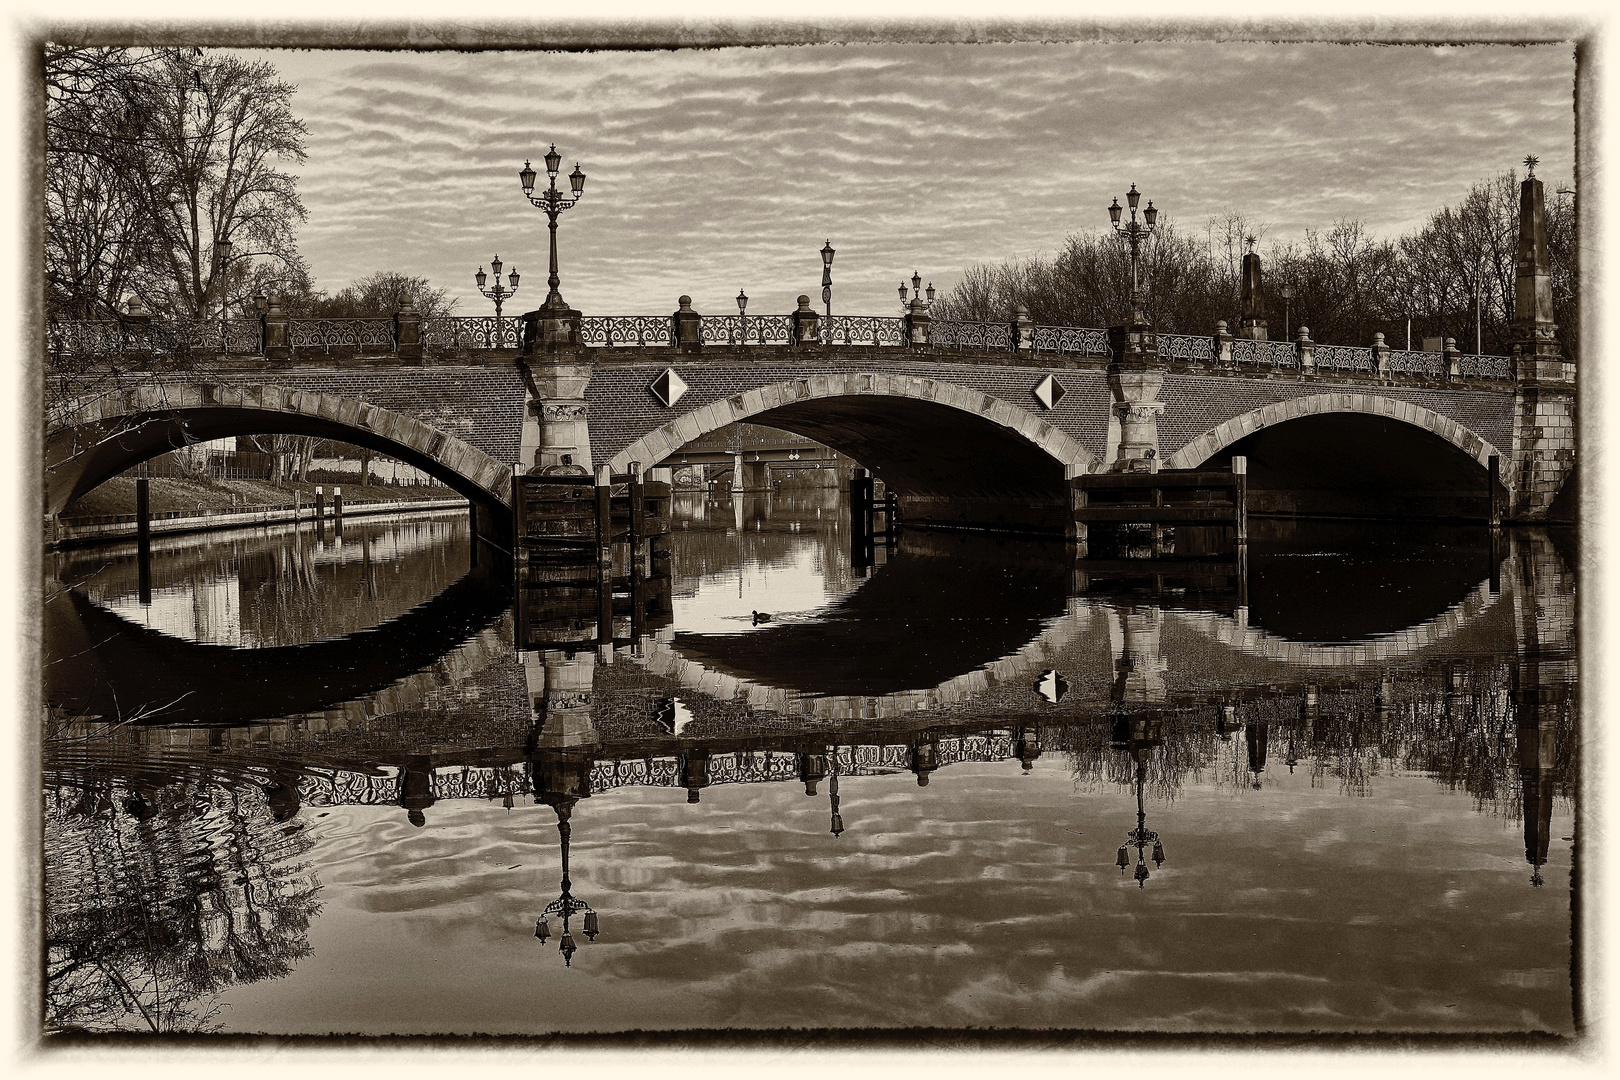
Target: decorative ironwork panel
x=473 y=332
x=1272 y=354
x=632 y=772
x=753 y=767
x=1081 y=340
x=620 y=331
x=1345 y=358
x=863 y=330
x=721 y=329
x=85 y=338
x=348 y=789
x=341 y=333
x=1188 y=348
x=946 y=334
x=1481 y=366
x=1402 y=362
x=470 y=782
x=242 y=337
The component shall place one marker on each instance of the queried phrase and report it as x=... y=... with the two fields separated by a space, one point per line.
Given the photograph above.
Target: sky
x=714 y=171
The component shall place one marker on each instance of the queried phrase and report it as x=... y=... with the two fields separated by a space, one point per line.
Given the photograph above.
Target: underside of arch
x=93 y=448
x=1351 y=455
x=955 y=457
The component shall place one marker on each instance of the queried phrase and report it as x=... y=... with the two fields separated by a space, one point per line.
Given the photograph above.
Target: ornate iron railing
x=473 y=332
x=947 y=334
x=619 y=331
x=1271 y=354
x=1344 y=358
x=329 y=334
x=882 y=758
x=1481 y=366
x=470 y=782
x=1402 y=362
x=746 y=329
x=863 y=330
x=106 y=337
x=1080 y=340
x=1188 y=348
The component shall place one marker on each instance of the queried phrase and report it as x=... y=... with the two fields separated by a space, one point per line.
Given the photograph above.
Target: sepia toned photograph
x=628 y=535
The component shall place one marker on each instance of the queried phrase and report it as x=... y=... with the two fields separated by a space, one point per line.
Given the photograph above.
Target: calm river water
x=314 y=785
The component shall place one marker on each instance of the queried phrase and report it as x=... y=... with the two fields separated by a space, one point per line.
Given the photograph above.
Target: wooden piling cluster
x=590 y=555
x=1210 y=497
x=871 y=518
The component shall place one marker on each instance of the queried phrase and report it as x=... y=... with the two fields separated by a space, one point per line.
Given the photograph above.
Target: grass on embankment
x=117 y=495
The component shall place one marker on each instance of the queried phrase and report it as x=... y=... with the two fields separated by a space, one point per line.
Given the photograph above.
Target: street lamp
x=499 y=292
x=742 y=313
x=916 y=291
x=567 y=905
x=1287 y=298
x=826 y=283
x=1135 y=234
x=553 y=203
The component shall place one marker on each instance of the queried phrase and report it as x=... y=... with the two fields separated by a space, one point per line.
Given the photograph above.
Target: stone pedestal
x=275 y=332
x=553 y=327
x=556 y=437
x=917 y=319
x=805 y=319
x=688 y=327
x=407 y=332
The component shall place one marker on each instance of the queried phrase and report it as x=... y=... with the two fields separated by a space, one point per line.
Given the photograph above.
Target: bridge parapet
x=489 y=338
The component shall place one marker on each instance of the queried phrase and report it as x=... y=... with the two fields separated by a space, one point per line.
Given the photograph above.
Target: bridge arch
x=1212 y=442
x=113 y=432
x=951 y=453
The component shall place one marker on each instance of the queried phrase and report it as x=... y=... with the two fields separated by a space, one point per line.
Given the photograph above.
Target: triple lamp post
x=499 y=292
x=1135 y=234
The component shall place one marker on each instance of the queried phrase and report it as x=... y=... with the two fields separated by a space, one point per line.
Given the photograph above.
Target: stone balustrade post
x=1223 y=345
x=1307 y=350
x=135 y=312
x=1023 y=330
x=276 y=326
x=407 y=330
x=1380 y=353
x=804 y=324
x=688 y=327
x=1453 y=359
x=917 y=319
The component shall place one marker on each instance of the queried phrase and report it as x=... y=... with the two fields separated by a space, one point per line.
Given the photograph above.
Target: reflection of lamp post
x=499 y=292
x=1139 y=734
x=1135 y=234
x=566 y=905
x=1141 y=836
x=837 y=826
x=553 y=203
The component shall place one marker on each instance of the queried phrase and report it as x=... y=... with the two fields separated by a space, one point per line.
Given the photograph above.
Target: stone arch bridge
x=964 y=436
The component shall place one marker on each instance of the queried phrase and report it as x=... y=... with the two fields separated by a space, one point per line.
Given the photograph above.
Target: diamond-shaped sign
x=1049 y=392
x=668 y=387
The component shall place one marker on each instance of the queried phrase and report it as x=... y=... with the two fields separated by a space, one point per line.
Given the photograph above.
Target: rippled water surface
x=301 y=784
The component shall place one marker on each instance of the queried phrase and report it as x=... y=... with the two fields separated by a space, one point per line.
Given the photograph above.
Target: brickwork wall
x=623 y=409
x=482 y=405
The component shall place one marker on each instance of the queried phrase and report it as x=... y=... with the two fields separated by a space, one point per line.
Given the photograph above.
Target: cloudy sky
x=714 y=170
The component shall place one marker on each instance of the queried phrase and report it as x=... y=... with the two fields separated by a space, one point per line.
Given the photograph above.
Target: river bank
x=187 y=506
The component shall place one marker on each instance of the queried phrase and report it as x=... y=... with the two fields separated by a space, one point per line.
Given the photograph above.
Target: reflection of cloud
x=989 y=899
x=738 y=163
